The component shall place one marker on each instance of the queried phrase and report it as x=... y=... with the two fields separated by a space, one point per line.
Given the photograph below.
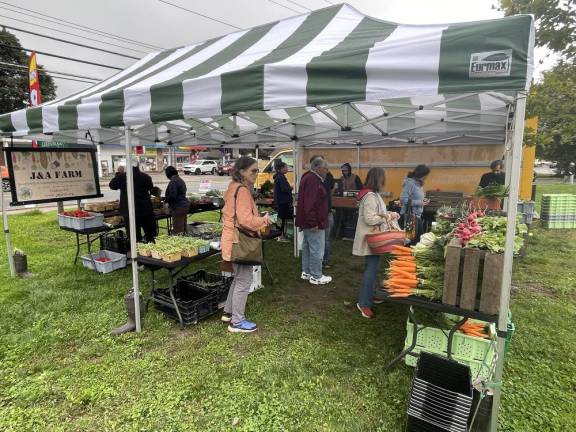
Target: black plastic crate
x=210 y=281
x=441 y=395
x=115 y=241
x=193 y=303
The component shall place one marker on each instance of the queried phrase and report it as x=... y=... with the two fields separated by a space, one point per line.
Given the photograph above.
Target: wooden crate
x=472 y=279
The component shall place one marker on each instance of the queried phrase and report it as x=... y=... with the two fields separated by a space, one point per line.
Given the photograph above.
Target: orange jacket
x=246 y=214
x=5 y=172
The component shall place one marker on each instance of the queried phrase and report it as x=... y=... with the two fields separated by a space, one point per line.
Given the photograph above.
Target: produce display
x=492 y=191
x=103 y=259
x=173 y=248
x=419 y=270
x=267 y=189
x=477 y=329
x=214 y=193
x=414 y=272
x=78 y=214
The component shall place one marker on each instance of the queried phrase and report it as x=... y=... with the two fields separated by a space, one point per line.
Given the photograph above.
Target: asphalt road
x=160 y=180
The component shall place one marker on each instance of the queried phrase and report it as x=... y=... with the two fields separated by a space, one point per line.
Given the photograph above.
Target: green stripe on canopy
x=168 y=98
x=339 y=75
x=244 y=89
x=460 y=42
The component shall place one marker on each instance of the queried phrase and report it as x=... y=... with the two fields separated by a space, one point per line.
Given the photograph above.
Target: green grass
x=314 y=365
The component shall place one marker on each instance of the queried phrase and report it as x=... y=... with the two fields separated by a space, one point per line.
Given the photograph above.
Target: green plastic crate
x=475 y=352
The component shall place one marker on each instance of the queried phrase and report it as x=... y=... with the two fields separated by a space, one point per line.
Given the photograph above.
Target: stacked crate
x=558 y=211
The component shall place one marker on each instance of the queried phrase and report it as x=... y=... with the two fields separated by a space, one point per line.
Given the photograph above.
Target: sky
x=162 y=25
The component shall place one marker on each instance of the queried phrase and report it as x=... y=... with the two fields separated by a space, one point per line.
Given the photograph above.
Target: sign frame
x=8 y=156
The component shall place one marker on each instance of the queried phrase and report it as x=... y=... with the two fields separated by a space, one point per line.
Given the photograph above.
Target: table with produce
x=174 y=254
x=453 y=278
x=95 y=221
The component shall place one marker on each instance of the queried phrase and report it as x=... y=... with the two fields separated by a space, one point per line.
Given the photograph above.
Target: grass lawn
x=314 y=365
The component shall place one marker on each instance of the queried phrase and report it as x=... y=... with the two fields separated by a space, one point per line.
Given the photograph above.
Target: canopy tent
x=334 y=73
x=329 y=77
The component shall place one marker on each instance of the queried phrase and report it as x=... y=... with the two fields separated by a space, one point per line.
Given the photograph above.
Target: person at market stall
x=175 y=196
x=495 y=176
x=312 y=219
x=349 y=181
x=372 y=215
x=412 y=197
x=142 y=203
x=329 y=184
x=240 y=210
x=283 y=197
x=347 y=217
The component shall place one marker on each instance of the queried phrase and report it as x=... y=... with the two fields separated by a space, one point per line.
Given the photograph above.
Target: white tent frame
x=287 y=133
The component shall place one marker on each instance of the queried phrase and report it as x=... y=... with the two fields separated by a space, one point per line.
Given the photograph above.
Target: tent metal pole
x=132 y=225
x=6 y=230
x=514 y=182
x=296 y=158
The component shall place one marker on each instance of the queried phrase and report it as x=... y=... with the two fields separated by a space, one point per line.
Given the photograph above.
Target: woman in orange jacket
x=238 y=201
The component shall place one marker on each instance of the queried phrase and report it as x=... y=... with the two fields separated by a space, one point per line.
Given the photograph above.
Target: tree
x=555 y=22
x=554 y=102
x=14 y=81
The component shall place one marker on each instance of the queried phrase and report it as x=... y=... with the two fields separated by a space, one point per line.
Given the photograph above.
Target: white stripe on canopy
x=404 y=63
x=285 y=81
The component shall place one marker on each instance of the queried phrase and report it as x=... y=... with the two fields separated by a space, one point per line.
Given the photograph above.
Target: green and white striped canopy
x=331 y=74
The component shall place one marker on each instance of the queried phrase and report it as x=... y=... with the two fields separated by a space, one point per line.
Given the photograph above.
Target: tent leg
x=515 y=158
x=132 y=224
x=296 y=158
x=6 y=229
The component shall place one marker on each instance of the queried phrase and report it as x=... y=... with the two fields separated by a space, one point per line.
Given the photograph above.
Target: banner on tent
x=39 y=175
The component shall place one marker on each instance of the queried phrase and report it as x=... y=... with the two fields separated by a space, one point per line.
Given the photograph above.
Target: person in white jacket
x=371 y=214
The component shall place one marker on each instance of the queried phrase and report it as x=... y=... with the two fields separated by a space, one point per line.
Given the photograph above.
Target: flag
x=34 y=85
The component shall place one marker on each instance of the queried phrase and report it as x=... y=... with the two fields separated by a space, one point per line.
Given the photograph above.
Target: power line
x=299 y=5
x=89 y=29
x=14 y=65
x=72 y=34
x=69 y=42
x=56 y=77
x=199 y=14
x=59 y=56
x=285 y=7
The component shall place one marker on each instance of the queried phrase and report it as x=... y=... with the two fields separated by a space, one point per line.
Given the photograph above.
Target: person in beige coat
x=372 y=215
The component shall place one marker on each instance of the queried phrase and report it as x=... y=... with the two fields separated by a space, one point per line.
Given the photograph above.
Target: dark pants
x=179 y=219
x=144 y=222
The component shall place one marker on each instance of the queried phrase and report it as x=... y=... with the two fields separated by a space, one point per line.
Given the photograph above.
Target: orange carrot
x=402 y=272
x=402 y=248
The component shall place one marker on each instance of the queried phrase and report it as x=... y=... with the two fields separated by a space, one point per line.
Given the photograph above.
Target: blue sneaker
x=242 y=327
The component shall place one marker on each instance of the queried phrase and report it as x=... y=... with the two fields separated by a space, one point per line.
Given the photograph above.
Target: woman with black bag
x=240 y=234
x=413 y=201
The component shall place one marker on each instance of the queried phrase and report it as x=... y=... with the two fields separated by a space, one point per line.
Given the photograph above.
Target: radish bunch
x=468 y=227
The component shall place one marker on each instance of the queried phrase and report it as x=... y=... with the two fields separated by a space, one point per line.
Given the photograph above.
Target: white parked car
x=201 y=166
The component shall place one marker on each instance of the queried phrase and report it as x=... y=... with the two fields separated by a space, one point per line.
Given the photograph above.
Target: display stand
x=173 y=269
x=418 y=302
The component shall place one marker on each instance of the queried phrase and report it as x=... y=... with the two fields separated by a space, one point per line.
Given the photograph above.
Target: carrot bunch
x=402 y=280
x=474 y=329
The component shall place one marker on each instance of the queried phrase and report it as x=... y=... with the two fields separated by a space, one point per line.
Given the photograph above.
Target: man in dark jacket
x=283 y=197
x=312 y=218
x=176 y=198
x=495 y=176
x=142 y=202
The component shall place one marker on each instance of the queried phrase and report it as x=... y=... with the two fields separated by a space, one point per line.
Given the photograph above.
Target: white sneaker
x=322 y=281
x=305 y=276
